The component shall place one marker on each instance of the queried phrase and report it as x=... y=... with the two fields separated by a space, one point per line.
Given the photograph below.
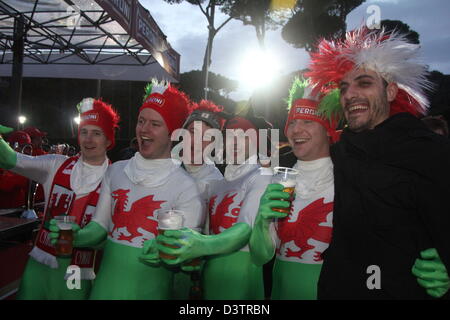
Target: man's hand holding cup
x=62 y=234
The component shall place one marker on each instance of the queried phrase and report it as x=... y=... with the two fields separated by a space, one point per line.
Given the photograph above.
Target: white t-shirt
x=305 y=234
x=132 y=191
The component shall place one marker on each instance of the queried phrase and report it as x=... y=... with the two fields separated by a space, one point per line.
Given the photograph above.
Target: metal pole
x=99 y=88
x=17 y=67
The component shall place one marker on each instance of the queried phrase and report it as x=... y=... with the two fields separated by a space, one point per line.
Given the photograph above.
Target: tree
x=411 y=35
x=439 y=95
x=258 y=13
x=315 y=19
x=220 y=87
x=210 y=13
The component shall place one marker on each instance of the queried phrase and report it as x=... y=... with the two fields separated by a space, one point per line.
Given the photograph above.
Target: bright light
x=77 y=120
x=22 y=119
x=258 y=69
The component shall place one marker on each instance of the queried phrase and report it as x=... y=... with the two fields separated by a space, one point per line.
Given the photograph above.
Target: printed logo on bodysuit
x=222 y=218
x=60 y=200
x=311 y=230
x=136 y=222
x=88 y=215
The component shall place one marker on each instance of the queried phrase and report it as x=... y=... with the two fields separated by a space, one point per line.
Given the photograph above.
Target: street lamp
x=22 y=120
x=77 y=120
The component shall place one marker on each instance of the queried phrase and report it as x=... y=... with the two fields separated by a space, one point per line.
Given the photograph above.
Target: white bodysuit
x=236 y=198
x=305 y=234
x=134 y=189
x=84 y=178
x=205 y=176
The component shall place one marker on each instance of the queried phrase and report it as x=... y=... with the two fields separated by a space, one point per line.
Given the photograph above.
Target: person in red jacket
x=36 y=136
x=14 y=187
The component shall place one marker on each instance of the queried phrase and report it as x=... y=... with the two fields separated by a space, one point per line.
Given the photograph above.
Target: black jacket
x=392 y=200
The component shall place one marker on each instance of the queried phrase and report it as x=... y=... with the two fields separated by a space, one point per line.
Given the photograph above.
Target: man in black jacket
x=391 y=218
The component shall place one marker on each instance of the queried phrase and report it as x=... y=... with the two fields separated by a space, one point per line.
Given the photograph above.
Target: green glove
x=8 y=157
x=54 y=231
x=5 y=130
x=91 y=236
x=261 y=244
x=150 y=253
x=431 y=273
x=191 y=244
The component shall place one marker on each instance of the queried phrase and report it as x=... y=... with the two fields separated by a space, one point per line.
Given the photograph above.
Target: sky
x=186 y=30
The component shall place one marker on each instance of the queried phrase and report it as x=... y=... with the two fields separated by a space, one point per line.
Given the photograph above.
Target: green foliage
x=248 y=11
x=440 y=95
x=257 y=13
x=197 y=2
x=192 y=83
x=316 y=19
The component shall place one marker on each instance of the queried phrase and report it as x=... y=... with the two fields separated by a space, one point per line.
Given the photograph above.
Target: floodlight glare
x=258 y=69
x=22 y=119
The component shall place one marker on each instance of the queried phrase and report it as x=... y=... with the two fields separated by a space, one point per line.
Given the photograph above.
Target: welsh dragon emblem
x=140 y=215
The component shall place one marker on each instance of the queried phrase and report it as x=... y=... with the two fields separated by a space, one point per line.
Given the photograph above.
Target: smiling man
x=204 y=116
x=391 y=173
x=71 y=187
x=365 y=98
x=299 y=238
x=132 y=192
x=228 y=272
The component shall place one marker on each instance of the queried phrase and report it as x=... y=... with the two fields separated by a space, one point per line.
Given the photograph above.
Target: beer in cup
x=64 y=246
x=169 y=220
x=286 y=177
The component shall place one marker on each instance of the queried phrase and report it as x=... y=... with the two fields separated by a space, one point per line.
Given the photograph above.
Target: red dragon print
x=221 y=218
x=137 y=217
x=306 y=227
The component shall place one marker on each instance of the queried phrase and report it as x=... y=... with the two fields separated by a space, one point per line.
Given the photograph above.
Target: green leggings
x=122 y=276
x=295 y=281
x=40 y=282
x=232 y=277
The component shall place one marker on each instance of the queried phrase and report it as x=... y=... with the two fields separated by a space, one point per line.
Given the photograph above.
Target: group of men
x=369 y=199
